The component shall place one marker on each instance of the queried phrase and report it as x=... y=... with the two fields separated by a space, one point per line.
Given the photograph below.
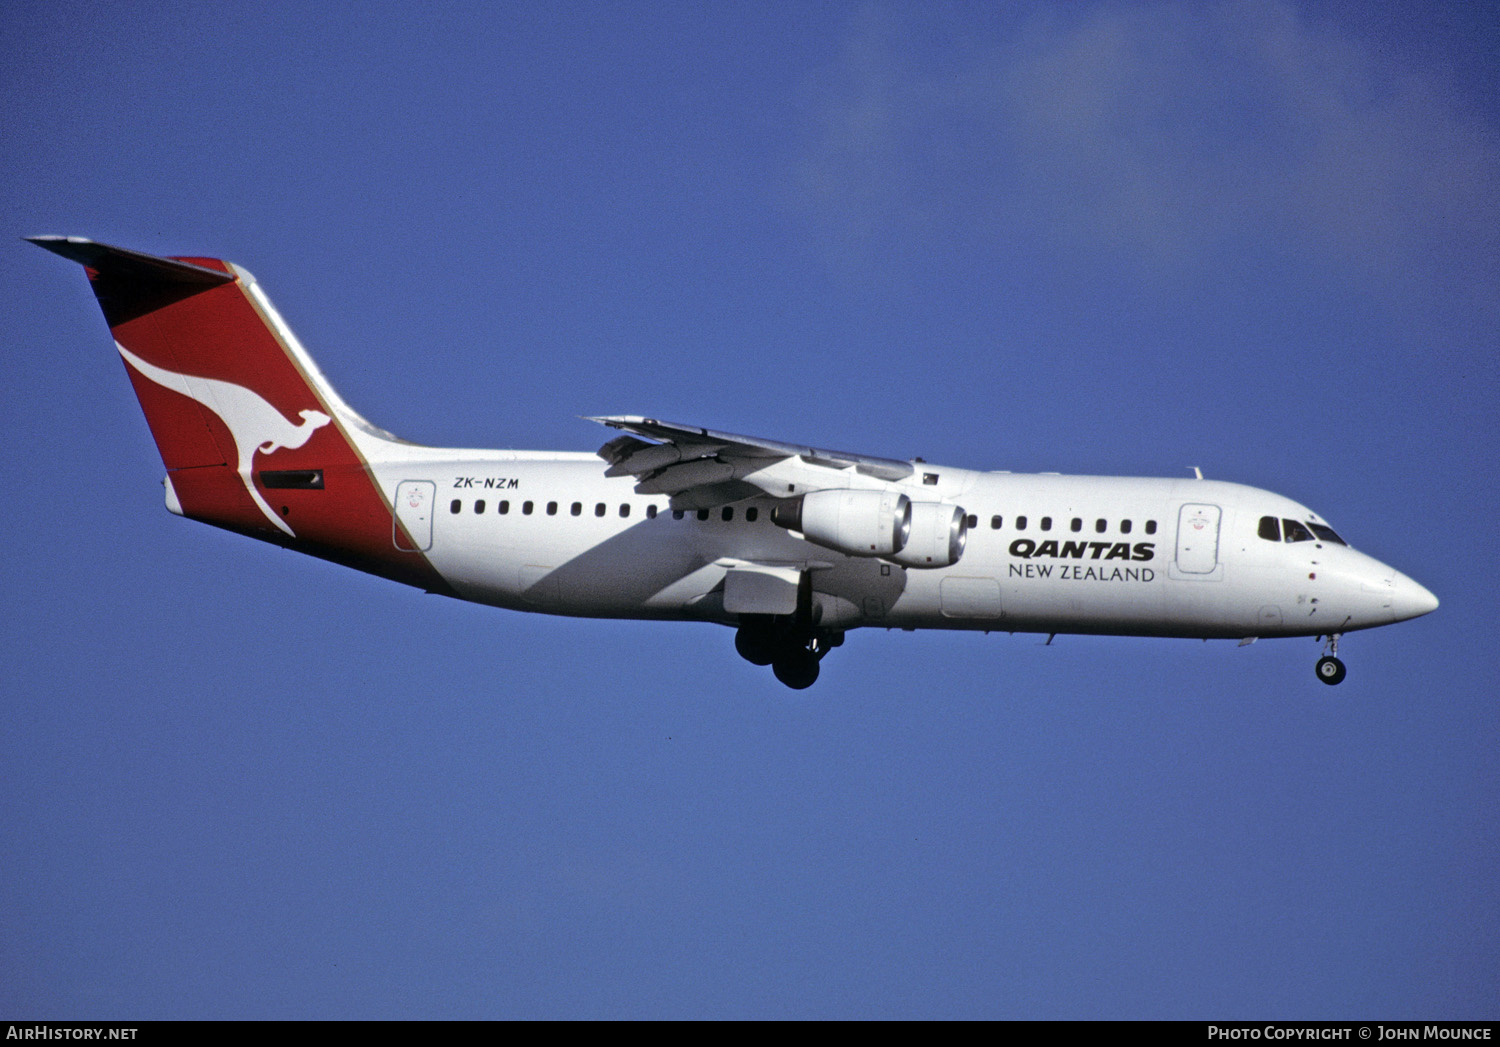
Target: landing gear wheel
x=756 y=646
x=796 y=667
x=1330 y=670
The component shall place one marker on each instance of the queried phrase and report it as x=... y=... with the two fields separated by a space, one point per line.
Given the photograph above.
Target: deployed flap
x=696 y=442
x=713 y=495
x=761 y=589
x=704 y=467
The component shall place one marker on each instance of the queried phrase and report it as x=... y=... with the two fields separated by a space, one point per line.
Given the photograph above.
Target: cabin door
x=414 y=504
x=1198 y=538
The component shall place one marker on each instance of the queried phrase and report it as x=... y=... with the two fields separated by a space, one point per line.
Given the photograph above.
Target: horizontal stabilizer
x=130 y=265
x=129 y=284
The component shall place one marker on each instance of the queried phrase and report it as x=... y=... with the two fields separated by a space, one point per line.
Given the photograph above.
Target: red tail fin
x=253 y=438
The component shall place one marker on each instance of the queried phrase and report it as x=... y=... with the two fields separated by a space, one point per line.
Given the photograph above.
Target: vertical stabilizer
x=253 y=437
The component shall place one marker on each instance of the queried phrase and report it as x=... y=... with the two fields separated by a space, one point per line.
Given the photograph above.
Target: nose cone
x=1410 y=600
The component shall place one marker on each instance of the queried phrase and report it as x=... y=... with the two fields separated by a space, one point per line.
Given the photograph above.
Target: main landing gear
x=793 y=653
x=1329 y=669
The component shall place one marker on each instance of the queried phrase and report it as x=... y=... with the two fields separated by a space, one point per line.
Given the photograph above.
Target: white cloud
x=1165 y=132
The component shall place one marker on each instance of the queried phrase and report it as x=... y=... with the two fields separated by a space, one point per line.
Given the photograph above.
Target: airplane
x=790 y=545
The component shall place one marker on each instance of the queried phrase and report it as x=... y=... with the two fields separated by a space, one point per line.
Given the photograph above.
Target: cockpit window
x=1295 y=532
x=1270 y=528
x=1326 y=533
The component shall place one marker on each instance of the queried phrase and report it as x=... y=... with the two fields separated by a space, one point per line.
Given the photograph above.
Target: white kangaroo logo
x=254 y=423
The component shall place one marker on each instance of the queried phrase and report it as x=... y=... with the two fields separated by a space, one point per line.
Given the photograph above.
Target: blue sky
x=1260 y=238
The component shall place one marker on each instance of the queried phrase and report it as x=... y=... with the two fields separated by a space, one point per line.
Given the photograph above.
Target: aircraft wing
x=703 y=468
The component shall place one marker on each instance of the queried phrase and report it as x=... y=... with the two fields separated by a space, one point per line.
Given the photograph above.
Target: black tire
x=797 y=668
x=756 y=646
x=1330 y=670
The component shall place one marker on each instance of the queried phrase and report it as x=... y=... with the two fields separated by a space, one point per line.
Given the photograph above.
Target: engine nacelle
x=855 y=523
x=938 y=534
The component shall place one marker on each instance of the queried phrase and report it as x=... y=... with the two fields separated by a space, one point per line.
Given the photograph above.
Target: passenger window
x=703 y=514
x=727 y=514
x=1020 y=523
x=1100 y=526
x=1295 y=532
x=972 y=521
x=1124 y=526
x=677 y=514
x=504 y=508
x=479 y=507
x=455 y=506
x=599 y=509
x=1270 y=528
x=995 y=523
x=1150 y=526
x=576 y=508
x=1046 y=523
x=1076 y=525
x=752 y=514
x=551 y=508
x=526 y=508
x=651 y=511
x=624 y=510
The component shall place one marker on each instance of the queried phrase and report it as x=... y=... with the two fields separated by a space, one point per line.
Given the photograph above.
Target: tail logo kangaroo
x=253 y=423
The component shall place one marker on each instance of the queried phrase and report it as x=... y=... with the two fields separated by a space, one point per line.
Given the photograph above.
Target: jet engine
x=937 y=536
x=855 y=523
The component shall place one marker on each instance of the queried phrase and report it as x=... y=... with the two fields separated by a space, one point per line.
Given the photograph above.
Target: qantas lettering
x=1025 y=549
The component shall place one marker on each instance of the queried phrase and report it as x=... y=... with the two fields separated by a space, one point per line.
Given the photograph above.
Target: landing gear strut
x=1329 y=669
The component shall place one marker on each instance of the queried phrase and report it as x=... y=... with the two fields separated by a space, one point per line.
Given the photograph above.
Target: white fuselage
x=1045 y=553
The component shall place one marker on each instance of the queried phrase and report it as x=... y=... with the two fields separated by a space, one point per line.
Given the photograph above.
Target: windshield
x=1295 y=532
x=1326 y=533
x=1283 y=530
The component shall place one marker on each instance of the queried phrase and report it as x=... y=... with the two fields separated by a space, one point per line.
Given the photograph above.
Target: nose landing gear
x=1329 y=669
